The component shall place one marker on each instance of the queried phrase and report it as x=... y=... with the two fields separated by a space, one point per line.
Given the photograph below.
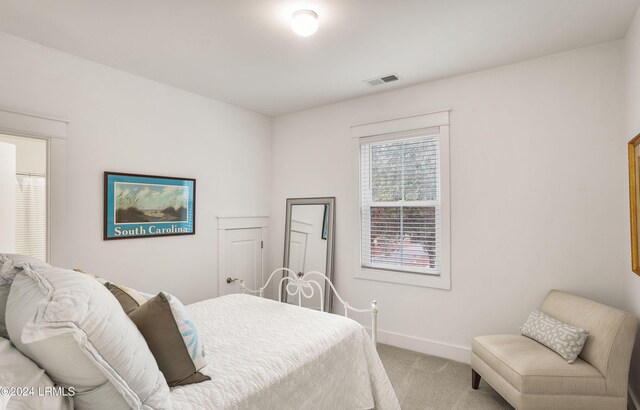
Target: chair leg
x=475 y=380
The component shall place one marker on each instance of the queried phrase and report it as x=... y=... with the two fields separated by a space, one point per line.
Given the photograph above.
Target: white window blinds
x=400 y=203
x=31 y=216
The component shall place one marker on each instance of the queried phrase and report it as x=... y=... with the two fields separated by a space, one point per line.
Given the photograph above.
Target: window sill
x=442 y=281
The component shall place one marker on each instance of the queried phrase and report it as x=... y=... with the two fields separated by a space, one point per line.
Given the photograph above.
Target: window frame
x=433 y=125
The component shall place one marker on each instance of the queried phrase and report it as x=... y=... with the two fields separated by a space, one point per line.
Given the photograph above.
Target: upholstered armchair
x=531 y=376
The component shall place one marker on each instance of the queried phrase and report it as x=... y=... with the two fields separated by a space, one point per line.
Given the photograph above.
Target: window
x=31 y=215
x=400 y=208
x=403 y=212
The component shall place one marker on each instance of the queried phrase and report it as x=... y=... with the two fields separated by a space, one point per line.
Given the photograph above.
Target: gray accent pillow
x=172 y=338
x=562 y=338
x=128 y=303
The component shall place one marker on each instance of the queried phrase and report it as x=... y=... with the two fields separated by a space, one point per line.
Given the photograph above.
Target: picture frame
x=634 y=199
x=147 y=206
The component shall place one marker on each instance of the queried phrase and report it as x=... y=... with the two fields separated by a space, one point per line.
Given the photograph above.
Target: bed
x=259 y=353
x=264 y=354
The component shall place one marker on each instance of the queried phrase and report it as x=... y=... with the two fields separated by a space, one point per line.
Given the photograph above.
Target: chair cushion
x=532 y=368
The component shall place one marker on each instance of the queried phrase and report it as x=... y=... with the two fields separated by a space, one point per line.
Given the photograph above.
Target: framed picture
x=634 y=199
x=140 y=206
x=325 y=222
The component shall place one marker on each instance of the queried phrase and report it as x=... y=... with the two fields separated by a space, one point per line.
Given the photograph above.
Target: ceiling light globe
x=304 y=22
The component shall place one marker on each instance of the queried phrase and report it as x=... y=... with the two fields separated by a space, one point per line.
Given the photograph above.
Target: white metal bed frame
x=299 y=284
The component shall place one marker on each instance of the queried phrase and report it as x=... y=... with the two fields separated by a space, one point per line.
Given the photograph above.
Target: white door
x=297 y=251
x=243 y=260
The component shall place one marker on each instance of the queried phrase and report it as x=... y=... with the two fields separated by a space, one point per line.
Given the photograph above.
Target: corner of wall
x=632 y=79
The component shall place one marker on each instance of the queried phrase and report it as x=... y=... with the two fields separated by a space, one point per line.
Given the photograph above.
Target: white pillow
x=18 y=371
x=4 y=295
x=10 y=265
x=76 y=330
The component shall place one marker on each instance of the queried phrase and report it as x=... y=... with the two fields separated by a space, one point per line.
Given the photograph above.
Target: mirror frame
x=331 y=203
x=633 y=205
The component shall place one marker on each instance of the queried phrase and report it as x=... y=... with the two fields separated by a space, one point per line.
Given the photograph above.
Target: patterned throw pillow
x=564 y=339
x=172 y=338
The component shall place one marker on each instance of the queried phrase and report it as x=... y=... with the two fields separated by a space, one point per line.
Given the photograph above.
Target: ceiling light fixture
x=304 y=22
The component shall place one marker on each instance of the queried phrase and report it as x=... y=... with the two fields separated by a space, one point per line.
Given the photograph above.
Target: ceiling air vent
x=382 y=80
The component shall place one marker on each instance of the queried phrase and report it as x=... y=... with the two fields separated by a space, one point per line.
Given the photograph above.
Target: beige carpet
x=428 y=382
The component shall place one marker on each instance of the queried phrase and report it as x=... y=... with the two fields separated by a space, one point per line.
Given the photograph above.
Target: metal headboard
x=302 y=286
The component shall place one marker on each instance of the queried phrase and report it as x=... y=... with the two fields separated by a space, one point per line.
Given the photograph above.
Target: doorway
x=243 y=256
x=24 y=184
x=242 y=245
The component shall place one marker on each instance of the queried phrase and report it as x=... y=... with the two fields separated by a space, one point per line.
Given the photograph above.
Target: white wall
x=632 y=67
x=537 y=197
x=31 y=154
x=120 y=122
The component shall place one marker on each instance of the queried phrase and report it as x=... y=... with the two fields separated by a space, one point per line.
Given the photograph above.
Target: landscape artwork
x=144 y=205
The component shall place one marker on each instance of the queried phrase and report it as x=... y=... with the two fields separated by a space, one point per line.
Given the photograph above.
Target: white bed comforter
x=263 y=354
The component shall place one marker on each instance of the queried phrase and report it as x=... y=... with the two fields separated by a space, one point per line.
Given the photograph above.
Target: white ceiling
x=243 y=51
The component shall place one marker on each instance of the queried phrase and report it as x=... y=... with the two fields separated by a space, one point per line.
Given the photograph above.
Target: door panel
x=298 y=246
x=297 y=251
x=243 y=256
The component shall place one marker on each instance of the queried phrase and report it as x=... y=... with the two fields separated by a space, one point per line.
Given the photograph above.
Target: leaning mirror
x=309 y=243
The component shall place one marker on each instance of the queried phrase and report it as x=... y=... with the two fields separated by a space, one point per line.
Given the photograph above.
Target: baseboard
x=633 y=403
x=427 y=346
